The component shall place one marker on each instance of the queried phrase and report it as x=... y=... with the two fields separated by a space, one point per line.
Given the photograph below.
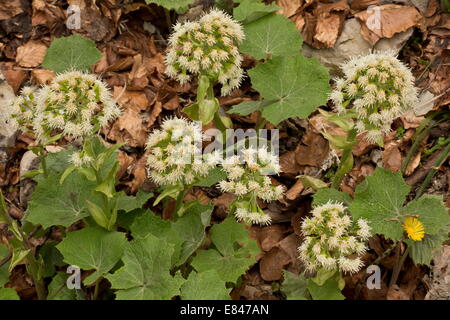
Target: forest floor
x=132 y=37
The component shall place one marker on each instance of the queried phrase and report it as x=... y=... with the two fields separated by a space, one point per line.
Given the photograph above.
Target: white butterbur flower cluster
x=175 y=153
x=247 y=178
x=74 y=104
x=20 y=113
x=80 y=159
x=332 y=239
x=207 y=47
x=379 y=88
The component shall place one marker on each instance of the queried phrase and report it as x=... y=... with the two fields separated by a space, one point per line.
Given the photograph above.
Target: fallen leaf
x=268 y=237
x=288 y=163
x=42 y=76
x=386 y=20
x=314 y=150
x=392 y=158
x=413 y=164
x=130 y=127
x=31 y=54
x=14 y=76
x=10 y=9
x=295 y=190
x=410 y=120
x=396 y=293
x=272 y=263
x=289 y=7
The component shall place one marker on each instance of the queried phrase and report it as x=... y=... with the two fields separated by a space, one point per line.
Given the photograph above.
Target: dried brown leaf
x=31 y=54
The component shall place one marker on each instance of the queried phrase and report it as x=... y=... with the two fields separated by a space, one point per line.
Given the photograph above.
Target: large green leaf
x=251 y=10
x=4 y=273
x=295 y=286
x=55 y=204
x=172 y=4
x=8 y=294
x=325 y=195
x=431 y=211
x=74 y=52
x=379 y=199
x=58 y=290
x=328 y=291
x=235 y=252
x=146 y=271
x=186 y=234
x=130 y=203
x=294 y=86
x=247 y=107
x=422 y=252
x=205 y=286
x=93 y=248
x=270 y=36
x=213 y=177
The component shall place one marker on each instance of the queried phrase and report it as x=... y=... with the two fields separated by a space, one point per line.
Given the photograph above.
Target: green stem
x=96 y=289
x=344 y=168
x=433 y=171
x=33 y=265
x=104 y=197
x=180 y=199
x=44 y=165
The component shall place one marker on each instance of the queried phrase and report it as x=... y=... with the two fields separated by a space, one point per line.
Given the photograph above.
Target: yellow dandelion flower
x=414 y=228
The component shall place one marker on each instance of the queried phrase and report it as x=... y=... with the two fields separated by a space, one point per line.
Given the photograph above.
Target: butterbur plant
x=175 y=159
x=248 y=179
x=332 y=239
x=74 y=105
x=375 y=90
x=206 y=49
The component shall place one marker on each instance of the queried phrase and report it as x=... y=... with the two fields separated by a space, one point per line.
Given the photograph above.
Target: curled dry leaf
x=362 y=145
x=130 y=127
x=42 y=76
x=289 y=7
x=31 y=54
x=288 y=163
x=10 y=9
x=138 y=170
x=125 y=161
x=314 y=150
x=392 y=158
x=295 y=190
x=386 y=20
x=45 y=13
x=14 y=76
x=268 y=237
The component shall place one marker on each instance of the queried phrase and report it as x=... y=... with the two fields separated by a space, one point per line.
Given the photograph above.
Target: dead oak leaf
x=386 y=20
x=130 y=127
x=10 y=9
x=314 y=150
x=392 y=157
x=31 y=54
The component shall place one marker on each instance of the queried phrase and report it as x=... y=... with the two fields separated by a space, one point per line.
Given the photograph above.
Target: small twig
x=398 y=266
x=385 y=253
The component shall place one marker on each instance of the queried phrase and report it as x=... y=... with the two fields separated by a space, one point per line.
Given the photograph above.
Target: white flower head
x=175 y=153
x=247 y=179
x=207 y=47
x=331 y=237
x=75 y=104
x=375 y=84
